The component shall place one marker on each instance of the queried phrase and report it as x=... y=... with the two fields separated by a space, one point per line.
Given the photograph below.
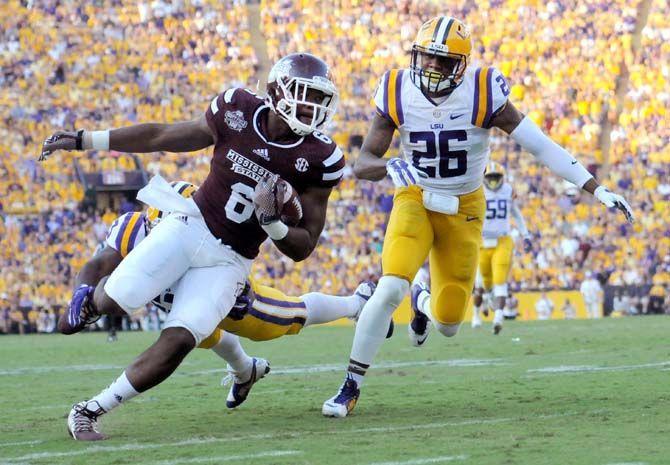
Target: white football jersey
x=498 y=211
x=448 y=142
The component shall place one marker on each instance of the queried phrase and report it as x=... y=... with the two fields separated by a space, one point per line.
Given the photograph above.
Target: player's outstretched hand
x=402 y=173
x=61 y=140
x=267 y=199
x=610 y=199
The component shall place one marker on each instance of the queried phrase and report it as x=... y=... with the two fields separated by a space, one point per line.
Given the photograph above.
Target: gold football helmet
x=440 y=55
x=494 y=175
x=183 y=188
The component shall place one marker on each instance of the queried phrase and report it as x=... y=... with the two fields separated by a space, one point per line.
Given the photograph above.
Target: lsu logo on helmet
x=183 y=188
x=494 y=175
x=448 y=39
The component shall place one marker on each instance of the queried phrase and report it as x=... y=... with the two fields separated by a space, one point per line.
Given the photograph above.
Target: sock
x=230 y=349
x=373 y=324
x=323 y=308
x=118 y=392
x=423 y=302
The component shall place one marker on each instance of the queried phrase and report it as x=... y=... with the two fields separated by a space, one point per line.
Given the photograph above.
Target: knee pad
x=500 y=290
x=449 y=305
x=447 y=330
x=392 y=289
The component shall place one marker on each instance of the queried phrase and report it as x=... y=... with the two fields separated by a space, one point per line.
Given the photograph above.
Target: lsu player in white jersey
x=495 y=254
x=444 y=108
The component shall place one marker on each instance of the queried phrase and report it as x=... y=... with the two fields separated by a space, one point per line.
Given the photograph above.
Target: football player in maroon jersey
x=205 y=247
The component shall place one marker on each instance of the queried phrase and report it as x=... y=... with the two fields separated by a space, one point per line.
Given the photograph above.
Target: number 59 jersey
x=498 y=211
x=447 y=141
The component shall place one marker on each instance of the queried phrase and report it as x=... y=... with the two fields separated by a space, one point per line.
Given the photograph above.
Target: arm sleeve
x=529 y=136
x=518 y=219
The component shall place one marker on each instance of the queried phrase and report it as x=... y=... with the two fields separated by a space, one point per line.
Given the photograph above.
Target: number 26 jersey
x=447 y=141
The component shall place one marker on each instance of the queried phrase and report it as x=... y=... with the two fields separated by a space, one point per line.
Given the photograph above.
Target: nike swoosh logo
x=574 y=162
x=452 y=117
x=471 y=218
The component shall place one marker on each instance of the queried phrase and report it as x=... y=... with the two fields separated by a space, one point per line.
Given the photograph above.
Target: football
x=291 y=212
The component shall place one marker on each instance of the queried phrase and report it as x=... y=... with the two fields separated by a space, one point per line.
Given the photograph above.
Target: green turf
x=615 y=411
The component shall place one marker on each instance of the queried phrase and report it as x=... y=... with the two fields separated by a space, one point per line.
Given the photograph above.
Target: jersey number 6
x=452 y=162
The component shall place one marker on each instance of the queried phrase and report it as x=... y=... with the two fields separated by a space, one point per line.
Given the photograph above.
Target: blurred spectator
x=569 y=311
x=592 y=293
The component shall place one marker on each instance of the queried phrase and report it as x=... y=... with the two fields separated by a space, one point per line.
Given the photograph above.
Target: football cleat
x=498 y=321
x=240 y=389
x=80 y=312
x=419 y=327
x=341 y=405
x=365 y=291
x=82 y=422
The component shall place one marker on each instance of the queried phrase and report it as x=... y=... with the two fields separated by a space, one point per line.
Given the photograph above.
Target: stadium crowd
x=115 y=62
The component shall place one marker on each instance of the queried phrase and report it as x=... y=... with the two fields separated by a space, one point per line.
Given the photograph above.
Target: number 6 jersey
x=242 y=155
x=446 y=141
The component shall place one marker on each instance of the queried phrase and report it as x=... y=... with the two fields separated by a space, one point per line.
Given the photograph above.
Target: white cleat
x=82 y=422
x=341 y=404
x=240 y=389
x=497 y=321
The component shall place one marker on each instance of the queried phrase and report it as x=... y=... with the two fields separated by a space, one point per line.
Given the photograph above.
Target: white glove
x=610 y=199
x=402 y=173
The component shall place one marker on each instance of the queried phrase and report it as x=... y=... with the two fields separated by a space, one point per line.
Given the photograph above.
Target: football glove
x=402 y=173
x=268 y=196
x=610 y=199
x=61 y=141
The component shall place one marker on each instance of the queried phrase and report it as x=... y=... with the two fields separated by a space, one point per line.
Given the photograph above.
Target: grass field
x=559 y=392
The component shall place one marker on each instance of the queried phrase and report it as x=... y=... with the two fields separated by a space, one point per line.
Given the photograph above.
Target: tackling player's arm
x=301 y=240
x=370 y=163
x=185 y=136
x=101 y=265
x=529 y=136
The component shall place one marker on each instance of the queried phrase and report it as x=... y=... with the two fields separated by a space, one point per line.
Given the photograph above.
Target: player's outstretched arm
x=370 y=163
x=186 y=136
x=529 y=136
x=521 y=226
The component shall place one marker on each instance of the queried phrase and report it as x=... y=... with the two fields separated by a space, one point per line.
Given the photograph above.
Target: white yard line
x=227 y=458
x=20 y=443
x=282 y=435
x=444 y=458
x=340 y=366
x=595 y=368
x=51 y=369
x=628 y=463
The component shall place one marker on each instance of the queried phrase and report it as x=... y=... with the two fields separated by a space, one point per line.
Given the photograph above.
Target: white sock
x=424 y=303
x=230 y=349
x=477 y=310
x=118 y=392
x=373 y=324
x=323 y=308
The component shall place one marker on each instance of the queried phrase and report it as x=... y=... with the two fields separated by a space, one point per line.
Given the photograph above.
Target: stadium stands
x=113 y=63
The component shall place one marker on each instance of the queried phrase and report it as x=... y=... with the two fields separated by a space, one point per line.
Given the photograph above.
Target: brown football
x=291 y=213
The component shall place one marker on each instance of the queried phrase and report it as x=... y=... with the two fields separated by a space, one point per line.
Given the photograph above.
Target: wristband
x=275 y=230
x=78 y=139
x=100 y=140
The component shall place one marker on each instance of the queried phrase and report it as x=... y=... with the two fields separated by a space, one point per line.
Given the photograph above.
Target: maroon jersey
x=242 y=156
